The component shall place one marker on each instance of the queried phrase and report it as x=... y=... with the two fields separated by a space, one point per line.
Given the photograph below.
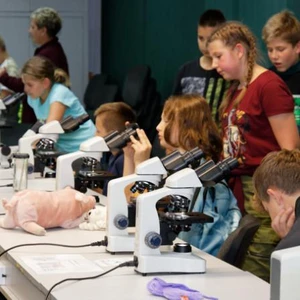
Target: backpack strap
x=212 y=192
x=195 y=196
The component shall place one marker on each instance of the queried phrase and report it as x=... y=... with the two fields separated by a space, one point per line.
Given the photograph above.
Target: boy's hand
x=283 y=222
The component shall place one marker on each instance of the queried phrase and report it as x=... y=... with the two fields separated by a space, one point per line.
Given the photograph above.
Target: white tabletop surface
x=221 y=280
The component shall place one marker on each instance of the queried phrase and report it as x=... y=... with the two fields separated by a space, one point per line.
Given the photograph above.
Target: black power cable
x=131 y=263
x=99 y=243
x=6 y=185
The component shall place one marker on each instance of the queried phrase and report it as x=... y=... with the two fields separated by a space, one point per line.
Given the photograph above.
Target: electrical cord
x=99 y=243
x=6 y=185
x=131 y=263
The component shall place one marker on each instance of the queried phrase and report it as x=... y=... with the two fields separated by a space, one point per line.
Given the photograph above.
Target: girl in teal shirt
x=52 y=100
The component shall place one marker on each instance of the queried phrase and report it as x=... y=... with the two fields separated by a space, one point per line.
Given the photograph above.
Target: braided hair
x=231 y=33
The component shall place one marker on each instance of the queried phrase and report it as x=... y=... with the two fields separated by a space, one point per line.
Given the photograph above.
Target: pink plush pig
x=36 y=210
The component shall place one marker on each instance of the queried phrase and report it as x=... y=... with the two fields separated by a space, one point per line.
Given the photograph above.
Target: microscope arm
x=117 y=204
x=147 y=220
x=64 y=170
x=25 y=146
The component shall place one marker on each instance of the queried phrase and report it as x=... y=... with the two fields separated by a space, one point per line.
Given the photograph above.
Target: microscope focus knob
x=121 y=221
x=153 y=240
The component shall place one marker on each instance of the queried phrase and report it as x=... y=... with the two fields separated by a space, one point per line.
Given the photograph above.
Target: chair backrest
x=139 y=91
x=135 y=85
x=234 y=249
x=93 y=89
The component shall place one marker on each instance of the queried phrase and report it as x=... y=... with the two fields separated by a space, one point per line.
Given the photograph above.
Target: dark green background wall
x=162 y=33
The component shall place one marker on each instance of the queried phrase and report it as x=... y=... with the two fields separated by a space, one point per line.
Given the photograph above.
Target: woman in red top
x=257 y=118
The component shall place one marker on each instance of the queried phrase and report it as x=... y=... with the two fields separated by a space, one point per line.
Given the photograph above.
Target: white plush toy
x=96 y=219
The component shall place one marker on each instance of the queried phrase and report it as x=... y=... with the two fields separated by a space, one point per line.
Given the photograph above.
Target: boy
x=110 y=117
x=281 y=35
x=277 y=191
x=198 y=76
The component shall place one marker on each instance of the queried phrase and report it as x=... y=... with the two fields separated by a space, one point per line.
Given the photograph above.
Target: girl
x=52 y=100
x=45 y=24
x=186 y=123
x=257 y=118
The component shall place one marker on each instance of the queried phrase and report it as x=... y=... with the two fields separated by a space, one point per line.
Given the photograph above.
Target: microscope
x=148 y=175
x=5 y=105
x=285 y=272
x=90 y=152
x=5 y=150
x=49 y=131
x=148 y=253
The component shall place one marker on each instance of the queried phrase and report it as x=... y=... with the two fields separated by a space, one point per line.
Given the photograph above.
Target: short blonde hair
x=49 y=18
x=115 y=114
x=283 y=25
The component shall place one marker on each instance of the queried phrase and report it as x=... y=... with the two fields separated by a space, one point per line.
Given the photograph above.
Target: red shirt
x=247 y=133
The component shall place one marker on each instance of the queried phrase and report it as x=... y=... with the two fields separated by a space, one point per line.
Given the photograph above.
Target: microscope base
x=6 y=173
x=170 y=263
x=116 y=244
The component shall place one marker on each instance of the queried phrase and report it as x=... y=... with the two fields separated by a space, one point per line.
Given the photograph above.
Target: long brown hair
x=232 y=33
x=191 y=115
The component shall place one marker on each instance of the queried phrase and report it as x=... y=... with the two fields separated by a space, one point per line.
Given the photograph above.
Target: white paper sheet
x=63 y=263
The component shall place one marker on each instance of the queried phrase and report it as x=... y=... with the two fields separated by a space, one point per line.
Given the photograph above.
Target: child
x=198 y=76
x=45 y=24
x=282 y=37
x=7 y=62
x=52 y=100
x=277 y=191
x=110 y=117
x=186 y=123
x=257 y=118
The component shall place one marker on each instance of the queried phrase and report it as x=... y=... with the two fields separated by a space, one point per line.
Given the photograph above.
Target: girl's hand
x=142 y=147
x=283 y=222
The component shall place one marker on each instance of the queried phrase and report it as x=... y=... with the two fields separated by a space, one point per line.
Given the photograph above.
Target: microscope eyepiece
x=9 y=100
x=118 y=140
x=217 y=172
x=176 y=161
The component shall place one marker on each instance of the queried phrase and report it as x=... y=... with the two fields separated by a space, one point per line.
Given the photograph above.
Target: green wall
x=162 y=33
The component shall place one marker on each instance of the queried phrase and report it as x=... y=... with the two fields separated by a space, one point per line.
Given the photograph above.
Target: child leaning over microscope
x=186 y=123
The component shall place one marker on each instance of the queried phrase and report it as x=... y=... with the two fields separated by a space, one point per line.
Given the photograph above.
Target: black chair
x=99 y=91
x=235 y=247
x=135 y=85
x=139 y=91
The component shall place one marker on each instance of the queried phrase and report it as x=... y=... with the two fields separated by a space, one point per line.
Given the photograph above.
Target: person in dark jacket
x=44 y=26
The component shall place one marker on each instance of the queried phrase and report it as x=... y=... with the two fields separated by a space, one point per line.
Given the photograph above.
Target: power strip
x=3 y=272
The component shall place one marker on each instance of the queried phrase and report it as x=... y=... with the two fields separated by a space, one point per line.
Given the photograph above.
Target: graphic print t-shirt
x=247 y=133
x=193 y=79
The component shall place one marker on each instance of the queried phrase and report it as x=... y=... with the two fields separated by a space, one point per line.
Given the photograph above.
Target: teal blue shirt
x=67 y=142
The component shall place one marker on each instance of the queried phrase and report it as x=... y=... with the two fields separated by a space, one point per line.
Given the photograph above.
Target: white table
x=221 y=280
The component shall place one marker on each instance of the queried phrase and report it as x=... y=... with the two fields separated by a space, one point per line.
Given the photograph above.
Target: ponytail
x=60 y=76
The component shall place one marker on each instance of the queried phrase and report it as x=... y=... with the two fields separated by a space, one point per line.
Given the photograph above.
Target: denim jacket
x=220 y=204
